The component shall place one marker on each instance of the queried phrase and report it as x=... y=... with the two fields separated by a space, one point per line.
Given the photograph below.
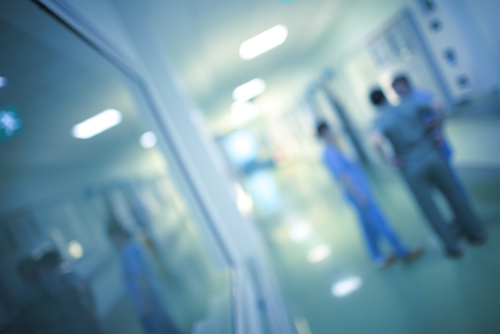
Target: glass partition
x=95 y=236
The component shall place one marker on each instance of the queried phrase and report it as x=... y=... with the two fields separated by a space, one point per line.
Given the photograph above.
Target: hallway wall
x=473 y=137
x=485 y=13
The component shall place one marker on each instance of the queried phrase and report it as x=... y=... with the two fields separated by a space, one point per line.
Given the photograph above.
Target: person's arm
x=377 y=140
x=353 y=190
x=337 y=168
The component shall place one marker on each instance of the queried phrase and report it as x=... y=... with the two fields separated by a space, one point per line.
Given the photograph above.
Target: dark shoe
x=479 y=239
x=387 y=262
x=413 y=255
x=455 y=253
x=456 y=229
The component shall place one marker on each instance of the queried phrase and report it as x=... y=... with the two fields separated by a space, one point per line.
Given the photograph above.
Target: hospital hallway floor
x=433 y=294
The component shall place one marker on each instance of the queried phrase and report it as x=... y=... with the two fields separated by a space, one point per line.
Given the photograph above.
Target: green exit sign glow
x=10 y=122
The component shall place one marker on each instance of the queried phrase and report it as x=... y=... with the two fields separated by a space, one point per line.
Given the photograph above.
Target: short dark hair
x=115 y=229
x=377 y=97
x=401 y=79
x=51 y=259
x=320 y=127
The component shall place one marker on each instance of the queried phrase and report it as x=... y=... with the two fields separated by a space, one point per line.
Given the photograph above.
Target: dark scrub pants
x=431 y=173
x=425 y=169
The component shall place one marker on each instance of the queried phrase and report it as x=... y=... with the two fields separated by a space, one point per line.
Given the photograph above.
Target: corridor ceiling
x=203 y=39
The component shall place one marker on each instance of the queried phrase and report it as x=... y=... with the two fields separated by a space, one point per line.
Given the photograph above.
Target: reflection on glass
x=94 y=234
x=97 y=124
x=347 y=286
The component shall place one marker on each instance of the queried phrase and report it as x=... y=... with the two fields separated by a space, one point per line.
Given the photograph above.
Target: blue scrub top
x=339 y=165
x=136 y=264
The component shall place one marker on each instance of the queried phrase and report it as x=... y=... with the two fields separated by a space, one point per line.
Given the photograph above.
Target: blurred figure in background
x=357 y=191
x=71 y=292
x=432 y=119
x=51 y=301
x=141 y=282
x=424 y=168
x=32 y=302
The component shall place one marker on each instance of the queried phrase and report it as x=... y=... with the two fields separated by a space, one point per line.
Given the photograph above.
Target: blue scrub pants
x=375 y=227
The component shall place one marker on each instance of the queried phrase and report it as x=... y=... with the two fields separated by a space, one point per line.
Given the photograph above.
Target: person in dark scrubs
x=432 y=118
x=424 y=169
x=357 y=191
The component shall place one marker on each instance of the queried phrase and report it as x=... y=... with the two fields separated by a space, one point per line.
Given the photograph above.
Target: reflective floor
x=431 y=295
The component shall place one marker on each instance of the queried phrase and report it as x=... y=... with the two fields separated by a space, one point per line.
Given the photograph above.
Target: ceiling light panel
x=97 y=124
x=249 y=90
x=263 y=42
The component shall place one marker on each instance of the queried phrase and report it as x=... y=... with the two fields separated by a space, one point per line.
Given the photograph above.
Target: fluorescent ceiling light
x=319 y=253
x=3 y=82
x=346 y=286
x=148 y=139
x=263 y=42
x=97 y=124
x=249 y=90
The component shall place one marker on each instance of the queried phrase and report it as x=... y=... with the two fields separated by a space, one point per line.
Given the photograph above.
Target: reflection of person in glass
x=357 y=191
x=141 y=282
x=424 y=168
x=72 y=292
x=52 y=300
x=36 y=312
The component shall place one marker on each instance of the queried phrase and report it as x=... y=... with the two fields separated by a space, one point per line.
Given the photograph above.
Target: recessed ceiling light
x=148 y=139
x=263 y=42
x=249 y=90
x=97 y=124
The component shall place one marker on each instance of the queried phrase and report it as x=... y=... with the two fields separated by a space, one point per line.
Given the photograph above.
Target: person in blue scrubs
x=357 y=191
x=141 y=282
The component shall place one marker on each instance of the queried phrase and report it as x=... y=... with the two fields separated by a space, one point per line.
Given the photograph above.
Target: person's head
x=378 y=98
x=323 y=130
x=28 y=269
x=401 y=85
x=51 y=260
x=118 y=235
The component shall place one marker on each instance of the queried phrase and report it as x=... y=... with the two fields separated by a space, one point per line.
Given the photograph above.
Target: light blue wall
x=487 y=15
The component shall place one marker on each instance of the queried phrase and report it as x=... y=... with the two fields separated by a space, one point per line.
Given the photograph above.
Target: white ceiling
x=57 y=80
x=203 y=39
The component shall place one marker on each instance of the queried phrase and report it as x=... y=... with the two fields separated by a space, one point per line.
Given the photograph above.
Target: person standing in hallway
x=433 y=118
x=424 y=168
x=141 y=281
x=357 y=191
